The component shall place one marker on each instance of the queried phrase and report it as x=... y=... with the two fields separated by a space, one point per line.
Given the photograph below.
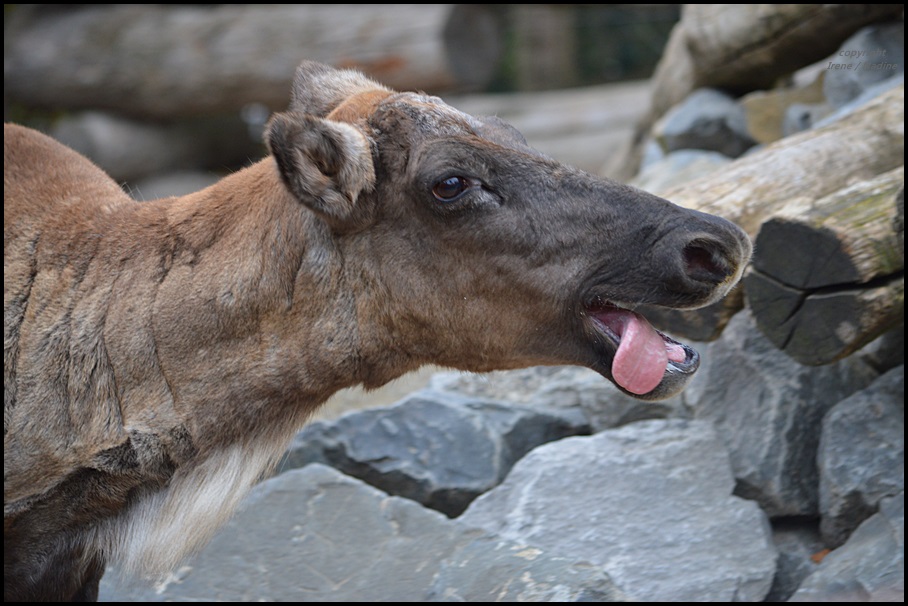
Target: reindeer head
x=475 y=251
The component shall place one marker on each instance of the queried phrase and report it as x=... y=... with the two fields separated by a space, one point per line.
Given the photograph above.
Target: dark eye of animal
x=451 y=188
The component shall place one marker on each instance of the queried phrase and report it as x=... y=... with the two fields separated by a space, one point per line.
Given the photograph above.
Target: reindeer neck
x=247 y=317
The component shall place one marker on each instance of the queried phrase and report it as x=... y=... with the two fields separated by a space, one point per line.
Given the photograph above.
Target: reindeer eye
x=450 y=189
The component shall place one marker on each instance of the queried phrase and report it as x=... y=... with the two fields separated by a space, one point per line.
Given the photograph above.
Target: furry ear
x=325 y=164
x=318 y=88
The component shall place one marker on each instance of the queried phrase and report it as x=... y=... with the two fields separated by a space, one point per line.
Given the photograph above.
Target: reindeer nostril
x=705 y=263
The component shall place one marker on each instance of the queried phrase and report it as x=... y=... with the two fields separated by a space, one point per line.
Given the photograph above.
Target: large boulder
x=871 y=55
x=650 y=502
x=861 y=456
x=869 y=567
x=440 y=449
x=768 y=410
x=560 y=387
x=314 y=535
x=707 y=119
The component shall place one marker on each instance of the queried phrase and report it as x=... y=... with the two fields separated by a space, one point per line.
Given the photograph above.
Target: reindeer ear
x=318 y=88
x=325 y=164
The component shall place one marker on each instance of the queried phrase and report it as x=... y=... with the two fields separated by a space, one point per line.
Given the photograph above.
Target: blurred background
x=147 y=90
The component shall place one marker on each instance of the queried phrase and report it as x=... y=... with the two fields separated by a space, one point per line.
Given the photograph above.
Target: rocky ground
x=764 y=481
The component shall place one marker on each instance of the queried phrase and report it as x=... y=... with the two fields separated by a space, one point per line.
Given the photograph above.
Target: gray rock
x=862 y=455
x=767 y=409
x=798 y=542
x=558 y=386
x=562 y=387
x=873 y=54
x=707 y=119
x=492 y=569
x=314 y=534
x=652 y=152
x=803 y=116
x=885 y=352
x=440 y=449
x=677 y=168
x=870 y=567
x=873 y=91
x=650 y=502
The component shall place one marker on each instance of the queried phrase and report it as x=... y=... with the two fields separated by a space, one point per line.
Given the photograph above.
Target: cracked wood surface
x=829 y=278
x=785 y=178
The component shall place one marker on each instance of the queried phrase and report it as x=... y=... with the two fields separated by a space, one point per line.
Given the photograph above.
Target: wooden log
x=848 y=237
x=829 y=279
x=744 y=47
x=798 y=169
x=819 y=327
x=580 y=126
x=168 y=61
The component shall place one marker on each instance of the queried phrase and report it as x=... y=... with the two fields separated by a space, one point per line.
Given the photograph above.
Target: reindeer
x=159 y=356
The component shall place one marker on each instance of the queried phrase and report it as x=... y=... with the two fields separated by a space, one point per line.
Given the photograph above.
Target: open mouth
x=642 y=358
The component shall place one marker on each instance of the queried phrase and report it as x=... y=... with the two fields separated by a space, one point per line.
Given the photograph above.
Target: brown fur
x=158 y=356
x=359 y=106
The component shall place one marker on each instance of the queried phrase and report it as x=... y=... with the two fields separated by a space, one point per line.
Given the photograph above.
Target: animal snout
x=709 y=259
x=709 y=262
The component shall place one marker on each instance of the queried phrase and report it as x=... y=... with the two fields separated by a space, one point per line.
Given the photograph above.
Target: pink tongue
x=641 y=358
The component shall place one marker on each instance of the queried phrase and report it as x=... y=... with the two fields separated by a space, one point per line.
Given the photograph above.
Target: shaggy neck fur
x=263 y=292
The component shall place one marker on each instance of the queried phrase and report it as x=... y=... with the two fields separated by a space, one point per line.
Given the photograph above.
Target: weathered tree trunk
x=168 y=61
x=826 y=281
x=580 y=126
x=798 y=169
x=745 y=47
